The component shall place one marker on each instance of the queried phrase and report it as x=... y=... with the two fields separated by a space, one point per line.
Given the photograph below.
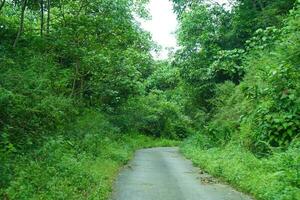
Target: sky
x=163 y=25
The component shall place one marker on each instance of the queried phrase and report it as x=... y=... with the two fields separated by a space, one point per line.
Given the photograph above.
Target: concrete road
x=163 y=174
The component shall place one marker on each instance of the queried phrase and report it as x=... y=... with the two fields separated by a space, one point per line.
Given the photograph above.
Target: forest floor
x=164 y=174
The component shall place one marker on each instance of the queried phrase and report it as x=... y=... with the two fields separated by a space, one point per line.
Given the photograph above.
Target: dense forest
x=80 y=91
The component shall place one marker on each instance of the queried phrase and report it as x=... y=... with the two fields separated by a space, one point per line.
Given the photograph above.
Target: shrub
x=80 y=162
x=155 y=115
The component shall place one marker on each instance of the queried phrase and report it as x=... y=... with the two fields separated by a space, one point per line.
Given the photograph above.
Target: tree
x=48 y=16
x=212 y=38
x=42 y=17
x=21 y=26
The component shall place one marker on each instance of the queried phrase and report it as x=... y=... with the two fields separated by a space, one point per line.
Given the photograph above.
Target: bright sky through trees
x=163 y=25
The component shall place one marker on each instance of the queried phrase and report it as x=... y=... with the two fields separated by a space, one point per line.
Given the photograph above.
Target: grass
x=274 y=178
x=80 y=164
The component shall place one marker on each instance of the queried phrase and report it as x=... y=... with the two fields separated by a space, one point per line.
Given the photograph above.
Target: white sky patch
x=163 y=25
x=222 y=2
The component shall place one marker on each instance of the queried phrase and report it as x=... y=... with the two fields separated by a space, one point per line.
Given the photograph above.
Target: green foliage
x=265 y=99
x=227 y=66
x=275 y=177
x=228 y=107
x=274 y=90
x=250 y=16
x=156 y=116
x=213 y=40
x=31 y=107
x=263 y=39
x=92 y=54
x=242 y=79
x=163 y=78
x=80 y=163
x=57 y=60
x=234 y=81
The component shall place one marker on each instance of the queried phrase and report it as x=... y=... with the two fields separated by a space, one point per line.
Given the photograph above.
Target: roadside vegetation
x=81 y=162
x=241 y=70
x=76 y=97
x=80 y=92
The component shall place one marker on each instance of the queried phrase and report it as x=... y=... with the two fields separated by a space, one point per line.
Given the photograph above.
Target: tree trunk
x=2 y=5
x=75 y=79
x=42 y=17
x=49 y=15
x=21 y=27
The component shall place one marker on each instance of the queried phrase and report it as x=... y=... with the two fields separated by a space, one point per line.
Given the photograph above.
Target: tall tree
x=48 y=15
x=42 y=17
x=21 y=26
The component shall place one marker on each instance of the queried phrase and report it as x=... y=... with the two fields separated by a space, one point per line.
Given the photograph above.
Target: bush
x=266 y=104
x=276 y=177
x=272 y=86
x=156 y=116
x=79 y=163
x=252 y=138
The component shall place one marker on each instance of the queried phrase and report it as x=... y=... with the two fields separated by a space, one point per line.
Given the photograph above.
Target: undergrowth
x=276 y=177
x=82 y=163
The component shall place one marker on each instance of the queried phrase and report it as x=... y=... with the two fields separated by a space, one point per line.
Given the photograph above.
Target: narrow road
x=163 y=174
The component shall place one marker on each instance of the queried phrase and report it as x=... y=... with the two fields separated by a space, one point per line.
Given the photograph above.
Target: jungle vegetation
x=80 y=91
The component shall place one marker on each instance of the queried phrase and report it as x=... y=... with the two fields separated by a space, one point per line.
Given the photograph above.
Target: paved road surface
x=163 y=174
